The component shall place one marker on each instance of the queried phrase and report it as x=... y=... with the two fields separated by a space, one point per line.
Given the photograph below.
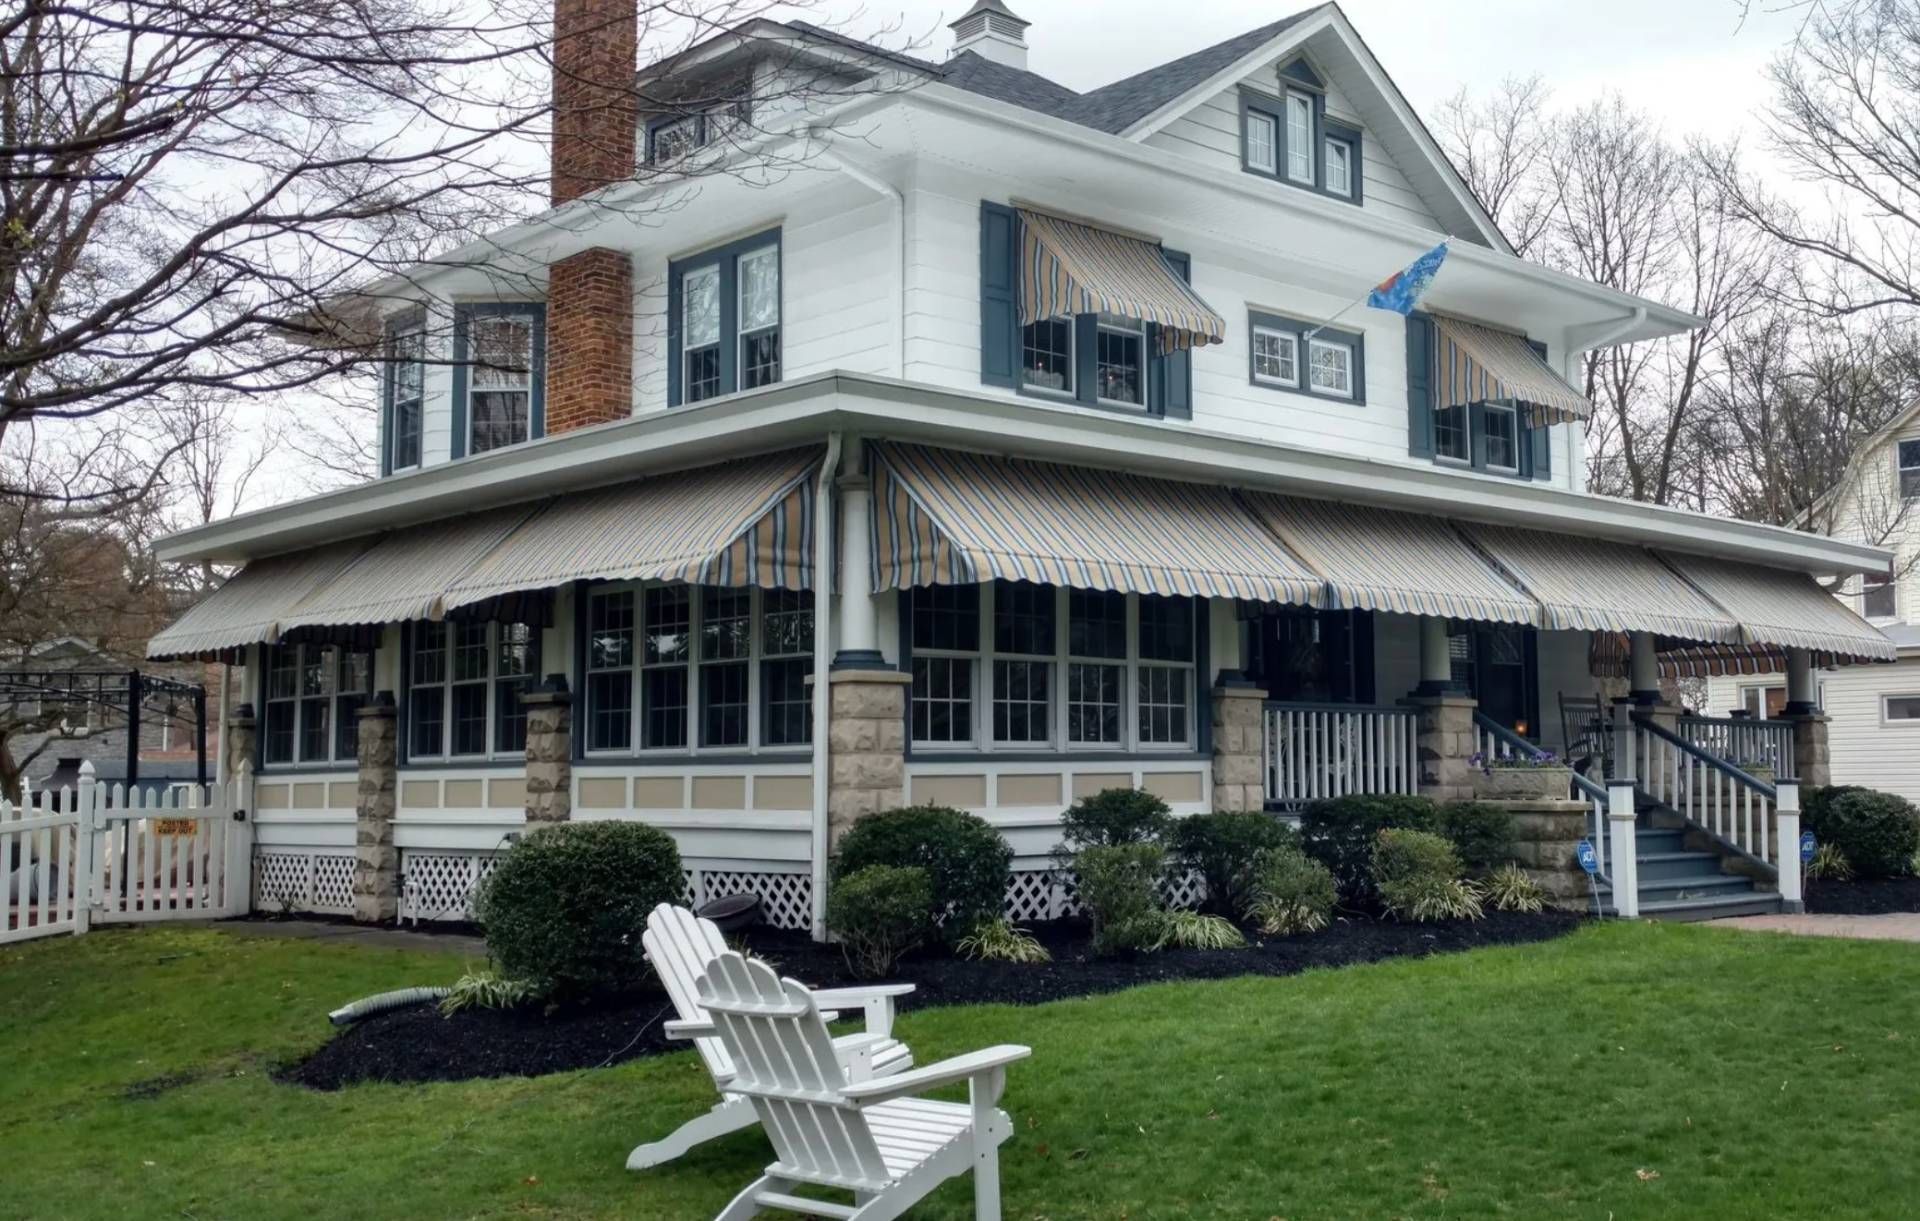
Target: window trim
x=1272 y=105
x=298 y=760
x=1144 y=334
x=727 y=258
x=414 y=322
x=1071 y=391
x=1354 y=341
x=1894 y=722
x=446 y=757
x=463 y=314
x=1293 y=347
x=1511 y=411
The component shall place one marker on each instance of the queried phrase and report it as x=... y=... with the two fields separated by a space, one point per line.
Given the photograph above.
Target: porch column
x=1812 y=764
x=1786 y=826
x=866 y=745
x=859 y=628
x=1644 y=670
x=1444 y=719
x=549 y=797
x=1436 y=657
x=1238 y=727
x=1621 y=853
x=376 y=866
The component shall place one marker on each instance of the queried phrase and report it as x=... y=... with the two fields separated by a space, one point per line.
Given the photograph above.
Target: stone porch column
x=1237 y=723
x=376 y=866
x=1444 y=732
x=866 y=745
x=549 y=752
x=241 y=741
x=1812 y=765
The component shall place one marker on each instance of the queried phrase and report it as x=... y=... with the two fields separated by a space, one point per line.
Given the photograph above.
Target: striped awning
x=741 y=523
x=1382 y=560
x=1068 y=268
x=1477 y=364
x=1592 y=585
x=250 y=607
x=406 y=574
x=947 y=518
x=1610 y=654
x=1784 y=609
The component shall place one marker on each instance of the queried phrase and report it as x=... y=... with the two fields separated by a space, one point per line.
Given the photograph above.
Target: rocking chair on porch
x=1589 y=735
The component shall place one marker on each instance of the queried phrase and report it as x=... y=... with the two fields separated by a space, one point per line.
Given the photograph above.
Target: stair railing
x=1494 y=742
x=1743 y=740
x=1713 y=794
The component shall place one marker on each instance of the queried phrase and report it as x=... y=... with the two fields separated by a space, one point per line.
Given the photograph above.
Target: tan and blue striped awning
x=1597 y=586
x=251 y=607
x=1068 y=268
x=942 y=517
x=748 y=522
x=406 y=574
x=1781 y=609
x=1477 y=364
x=1382 y=560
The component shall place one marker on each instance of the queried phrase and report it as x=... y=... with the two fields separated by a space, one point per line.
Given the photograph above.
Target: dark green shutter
x=1477 y=434
x=1542 y=435
x=1419 y=386
x=1175 y=368
x=999 y=295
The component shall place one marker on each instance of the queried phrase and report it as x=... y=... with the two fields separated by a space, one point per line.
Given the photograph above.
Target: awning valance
x=942 y=517
x=1382 y=560
x=1587 y=584
x=250 y=607
x=741 y=523
x=1785 y=609
x=1069 y=268
x=405 y=576
x=1476 y=364
x=1610 y=654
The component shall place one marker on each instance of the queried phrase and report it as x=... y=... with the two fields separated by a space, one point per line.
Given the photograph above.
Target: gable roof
x=1120 y=105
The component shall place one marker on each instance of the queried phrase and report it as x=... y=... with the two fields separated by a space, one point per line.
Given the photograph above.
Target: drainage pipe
x=381 y=1002
x=823 y=537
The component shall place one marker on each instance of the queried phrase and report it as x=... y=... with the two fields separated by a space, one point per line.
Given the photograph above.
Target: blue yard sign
x=1806 y=847
x=1588 y=861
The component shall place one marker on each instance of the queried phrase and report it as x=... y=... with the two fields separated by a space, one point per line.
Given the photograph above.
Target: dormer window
x=1263 y=141
x=1287 y=135
x=1300 y=138
x=1909 y=459
x=1339 y=167
x=669 y=140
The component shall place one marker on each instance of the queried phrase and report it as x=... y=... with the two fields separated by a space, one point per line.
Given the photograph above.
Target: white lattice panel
x=333 y=883
x=303 y=882
x=1033 y=895
x=786 y=898
x=1183 y=891
x=442 y=885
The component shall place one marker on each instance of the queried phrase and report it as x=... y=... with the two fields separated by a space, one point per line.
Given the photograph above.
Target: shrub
x=565 y=907
x=1418 y=877
x=1481 y=834
x=1340 y=834
x=1877 y=832
x=966 y=861
x=1510 y=889
x=1112 y=817
x=879 y=913
x=1225 y=849
x=1292 y=893
x=1119 y=887
x=1002 y=941
x=1426 y=897
x=485 y=990
x=1829 y=864
x=1193 y=931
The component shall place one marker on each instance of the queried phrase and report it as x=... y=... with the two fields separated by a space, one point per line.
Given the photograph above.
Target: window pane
x=674 y=140
x=501 y=351
x=1163 y=705
x=1274 y=357
x=1093 y=703
x=942 y=699
x=669 y=610
x=346 y=732
x=610 y=711
x=1910 y=469
x=500 y=418
x=703 y=374
x=1096 y=623
x=1023 y=618
x=1046 y=354
x=700 y=307
x=1450 y=438
x=726 y=624
x=787 y=704
x=1339 y=167
x=1121 y=358
x=610 y=630
x=1881 y=600
x=1903 y=707
x=1260 y=133
x=510 y=715
x=470 y=719
x=429 y=653
x=723 y=704
x=759 y=289
x=1166 y=628
x=947 y=617
x=427 y=713
x=515 y=654
x=406 y=433
x=283 y=672
x=316 y=733
x=1331 y=367
x=356 y=672
x=1020 y=701
x=665 y=711
x=760 y=359
x=1299 y=138
x=1502 y=442
x=788 y=627
x=469 y=651
x=409 y=349
x=278 y=747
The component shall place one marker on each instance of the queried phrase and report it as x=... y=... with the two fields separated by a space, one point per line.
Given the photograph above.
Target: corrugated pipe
x=381 y=1002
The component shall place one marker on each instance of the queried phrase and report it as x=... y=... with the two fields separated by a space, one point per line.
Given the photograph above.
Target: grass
x=1632 y=1071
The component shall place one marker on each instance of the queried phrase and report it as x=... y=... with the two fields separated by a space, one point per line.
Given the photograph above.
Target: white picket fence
x=104 y=855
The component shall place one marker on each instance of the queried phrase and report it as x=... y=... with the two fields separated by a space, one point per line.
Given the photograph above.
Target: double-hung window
x=405 y=393
x=1096 y=668
x=1503 y=438
x=1120 y=364
x=1263 y=143
x=499 y=376
x=1339 y=167
x=465 y=681
x=312 y=696
x=1453 y=434
x=1908 y=456
x=1046 y=356
x=672 y=668
x=725 y=329
x=944 y=631
x=1300 y=138
x=1879 y=598
x=1334 y=360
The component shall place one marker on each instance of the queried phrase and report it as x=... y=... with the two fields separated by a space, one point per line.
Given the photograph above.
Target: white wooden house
x=1016 y=433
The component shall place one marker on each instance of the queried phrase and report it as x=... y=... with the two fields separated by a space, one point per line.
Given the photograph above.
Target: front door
x=1498 y=664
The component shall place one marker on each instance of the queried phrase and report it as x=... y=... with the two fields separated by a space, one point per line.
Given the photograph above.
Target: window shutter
x=1477 y=434
x=1542 y=436
x=1419 y=386
x=458 y=446
x=999 y=296
x=1175 y=377
x=387 y=376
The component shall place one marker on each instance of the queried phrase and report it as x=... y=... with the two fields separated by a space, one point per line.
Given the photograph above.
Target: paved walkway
x=1903 y=926
x=354 y=934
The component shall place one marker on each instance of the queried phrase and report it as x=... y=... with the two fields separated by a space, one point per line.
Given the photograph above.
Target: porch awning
x=740 y=523
x=1785 y=609
x=1591 y=585
x=405 y=576
x=1477 y=364
x=1070 y=268
x=947 y=518
x=249 y=608
x=1379 y=559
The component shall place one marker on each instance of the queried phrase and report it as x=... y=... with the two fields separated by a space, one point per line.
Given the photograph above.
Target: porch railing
x=1743 y=742
x=1714 y=794
x=1495 y=742
x=1316 y=751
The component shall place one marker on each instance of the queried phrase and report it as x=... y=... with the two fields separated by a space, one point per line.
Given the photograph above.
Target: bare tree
x=1501 y=145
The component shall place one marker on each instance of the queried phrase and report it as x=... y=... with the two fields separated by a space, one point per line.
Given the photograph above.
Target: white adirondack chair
x=877 y=1138
x=681 y=946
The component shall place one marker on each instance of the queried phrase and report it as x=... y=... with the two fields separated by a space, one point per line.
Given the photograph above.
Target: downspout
x=823 y=537
x=882 y=187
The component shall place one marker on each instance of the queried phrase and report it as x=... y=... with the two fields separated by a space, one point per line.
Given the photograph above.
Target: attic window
x=670 y=139
x=1290 y=138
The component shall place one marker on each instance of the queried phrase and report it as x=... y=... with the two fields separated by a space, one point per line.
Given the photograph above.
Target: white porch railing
x=1315 y=751
x=1709 y=791
x=1743 y=742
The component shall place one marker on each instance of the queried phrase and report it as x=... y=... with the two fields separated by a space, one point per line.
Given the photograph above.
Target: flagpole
x=1350 y=306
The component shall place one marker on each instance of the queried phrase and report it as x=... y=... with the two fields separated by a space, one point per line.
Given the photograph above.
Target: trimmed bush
x=1340 y=834
x=878 y=914
x=1481 y=834
x=1418 y=876
x=1292 y=893
x=1878 y=833
x=966 y=860
x=1225 y=848
x=565 y=907
x=1119 y=887
x=1115 y=816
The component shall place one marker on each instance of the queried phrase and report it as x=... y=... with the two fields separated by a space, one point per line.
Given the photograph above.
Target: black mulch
x=1876 y=898
x=418 y=1044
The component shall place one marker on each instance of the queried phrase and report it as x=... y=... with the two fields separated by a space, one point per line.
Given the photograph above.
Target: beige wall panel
x=603 y=793
x=960 y=792
x=420 y=794
x=1172 y=786
x=1027 y=791
x=719 y=792
x=1086 y=784
x=783 y=792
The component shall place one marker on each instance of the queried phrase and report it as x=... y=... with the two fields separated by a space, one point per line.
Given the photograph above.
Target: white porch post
x=1620 y=817
x=859 y=627
x=1644 y=670
x=1786 y=822
x=1436 y=656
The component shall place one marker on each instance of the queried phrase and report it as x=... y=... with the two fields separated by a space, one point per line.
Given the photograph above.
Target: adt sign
x=1588 y=860
x=1806 y=847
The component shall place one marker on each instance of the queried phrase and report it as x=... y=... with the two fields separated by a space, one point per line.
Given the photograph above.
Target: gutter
x=823 y=537
x=884 y=188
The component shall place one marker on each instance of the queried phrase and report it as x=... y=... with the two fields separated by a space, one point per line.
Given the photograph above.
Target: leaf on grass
x=532 y=1180
x=1646 y=1176
x=1042 y=1149
x=1078 y=1155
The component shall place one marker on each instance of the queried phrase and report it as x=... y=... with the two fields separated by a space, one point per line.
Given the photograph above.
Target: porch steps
x=1677 y=883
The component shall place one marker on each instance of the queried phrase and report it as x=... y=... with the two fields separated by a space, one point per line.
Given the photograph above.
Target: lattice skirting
x=442 y=885
x=1048 y=894
x=785 y=898
x=320 y=882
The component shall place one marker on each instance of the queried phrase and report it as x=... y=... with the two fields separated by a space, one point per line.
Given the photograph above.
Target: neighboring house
x=1874 y=736
x=1017 y=432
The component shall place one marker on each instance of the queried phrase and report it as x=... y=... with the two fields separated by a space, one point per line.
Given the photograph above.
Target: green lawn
x=1649 y=1071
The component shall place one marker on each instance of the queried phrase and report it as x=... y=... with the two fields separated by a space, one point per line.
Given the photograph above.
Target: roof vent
x=990 y=30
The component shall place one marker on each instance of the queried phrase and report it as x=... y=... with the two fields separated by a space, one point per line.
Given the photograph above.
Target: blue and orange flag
x=1401 y=291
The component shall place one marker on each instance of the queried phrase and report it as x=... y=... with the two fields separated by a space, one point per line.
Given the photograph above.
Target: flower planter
x=1523 y=784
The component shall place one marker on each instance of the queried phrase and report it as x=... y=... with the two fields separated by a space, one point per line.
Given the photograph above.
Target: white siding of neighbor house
x=1864 y=748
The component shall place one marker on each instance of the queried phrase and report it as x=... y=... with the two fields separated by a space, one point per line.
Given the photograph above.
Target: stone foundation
x=549 y=752
x=376 y=867
x=1546 y=837
x=1444 y=743
x=1237 y=728
x=866 y=745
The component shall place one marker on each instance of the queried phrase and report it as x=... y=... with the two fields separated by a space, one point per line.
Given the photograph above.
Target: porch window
x=1909 y=460
x=726 y=320
x=1096 y=667
x=1023 y=647
x=945 y=636
x=787 y=647
x=465 y=681
x=1879 y=598
x=405 y=379
x=1335 y=360
x=312 y=693
x=1166 y=670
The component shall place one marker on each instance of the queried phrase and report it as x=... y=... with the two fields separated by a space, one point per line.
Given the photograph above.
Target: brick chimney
x=595 y=142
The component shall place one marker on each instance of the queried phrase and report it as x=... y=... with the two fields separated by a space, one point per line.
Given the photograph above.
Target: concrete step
x=1719 y=886
x=1752 y=903
x=1658 y=866
x=1658 y=840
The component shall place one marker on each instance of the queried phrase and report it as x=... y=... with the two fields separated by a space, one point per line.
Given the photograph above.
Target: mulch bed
x=1877 y=898
x=418 y=1044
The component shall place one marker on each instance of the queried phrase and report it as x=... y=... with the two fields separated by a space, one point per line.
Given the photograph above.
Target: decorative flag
x=1401 y=291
